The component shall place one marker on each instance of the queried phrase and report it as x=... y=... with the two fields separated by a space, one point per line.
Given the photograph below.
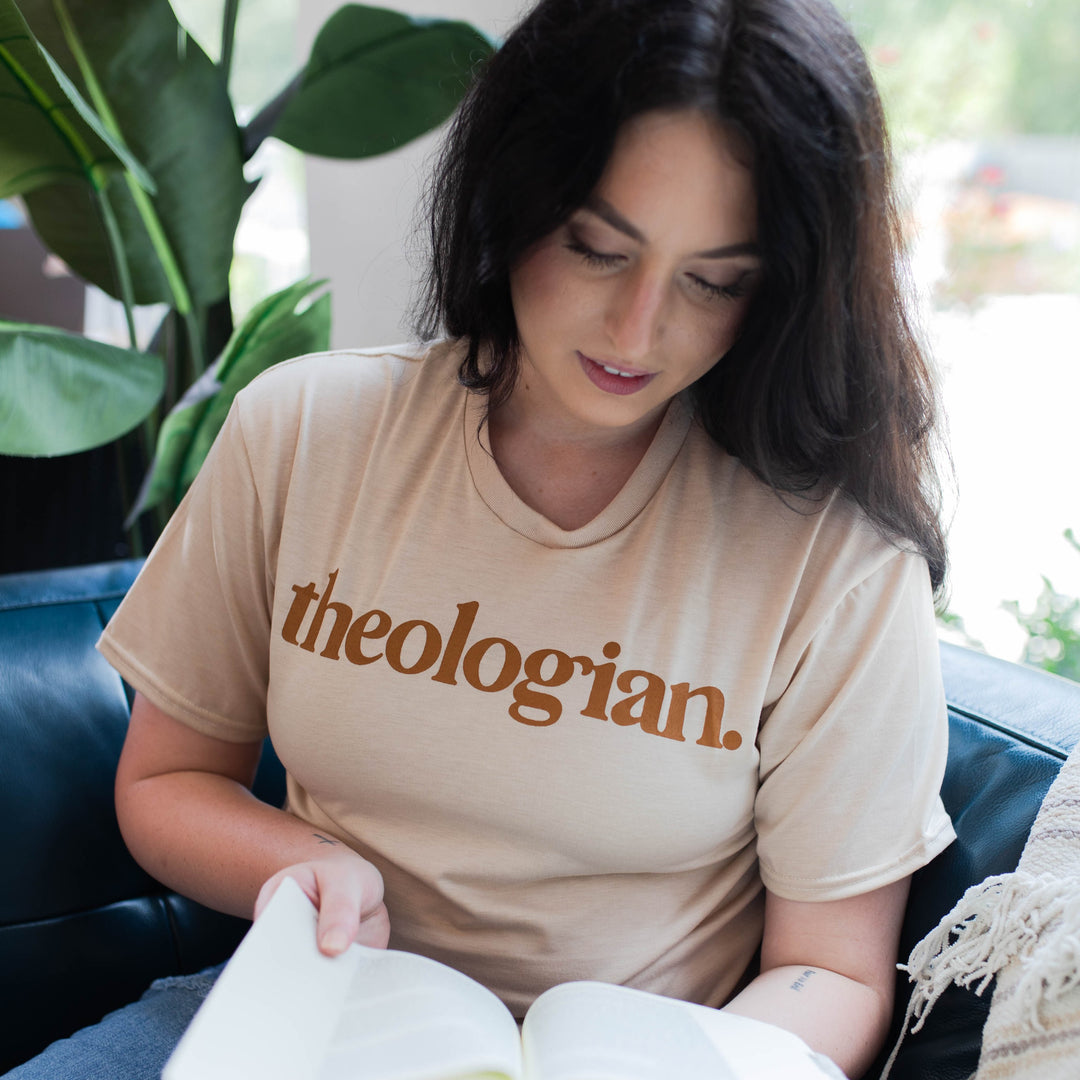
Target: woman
x=597 y=640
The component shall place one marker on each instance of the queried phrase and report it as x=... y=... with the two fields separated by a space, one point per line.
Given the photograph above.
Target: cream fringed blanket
x=1025 y=929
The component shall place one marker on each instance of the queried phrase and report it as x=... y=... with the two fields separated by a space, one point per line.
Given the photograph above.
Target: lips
x=615 y=379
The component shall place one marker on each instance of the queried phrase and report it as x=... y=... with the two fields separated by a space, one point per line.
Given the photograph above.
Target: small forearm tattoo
x=801 y=981
x=324 y=839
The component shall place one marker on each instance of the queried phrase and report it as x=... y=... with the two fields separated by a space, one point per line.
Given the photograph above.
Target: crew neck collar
x=632 y=498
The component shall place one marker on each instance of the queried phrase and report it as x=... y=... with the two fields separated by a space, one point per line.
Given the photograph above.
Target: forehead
x=675 y=172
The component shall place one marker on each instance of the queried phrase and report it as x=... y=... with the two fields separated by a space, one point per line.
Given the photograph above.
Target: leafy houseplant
x=1053 y=627
x=119 y=135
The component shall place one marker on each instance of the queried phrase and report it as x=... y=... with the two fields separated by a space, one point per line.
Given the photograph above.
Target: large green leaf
x=376 y=79
x=48 y=132
x=173 y=111
x=61 y=393
x=274 y=330
x=97 y=124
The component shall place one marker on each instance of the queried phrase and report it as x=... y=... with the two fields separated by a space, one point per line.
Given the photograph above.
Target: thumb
x=339 y=916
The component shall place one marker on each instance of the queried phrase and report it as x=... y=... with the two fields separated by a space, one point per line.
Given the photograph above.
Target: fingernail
x=334 y=941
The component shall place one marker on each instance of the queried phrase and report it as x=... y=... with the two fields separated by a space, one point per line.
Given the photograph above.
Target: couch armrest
x=82 y=928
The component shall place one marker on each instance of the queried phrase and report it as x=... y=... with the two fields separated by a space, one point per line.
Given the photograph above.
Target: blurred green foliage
x=1053 y=628
x=973 y=68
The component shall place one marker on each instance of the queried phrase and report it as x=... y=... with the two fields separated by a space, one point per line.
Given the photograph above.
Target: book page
x=273 y=1010
x=282 y=1011
x=759 y=1051
x=410 y=1018
x=595 y=1031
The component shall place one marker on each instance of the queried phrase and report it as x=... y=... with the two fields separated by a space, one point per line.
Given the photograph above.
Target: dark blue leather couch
x=83 y=929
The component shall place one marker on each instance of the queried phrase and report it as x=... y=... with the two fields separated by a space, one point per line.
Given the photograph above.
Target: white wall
x=361 y=220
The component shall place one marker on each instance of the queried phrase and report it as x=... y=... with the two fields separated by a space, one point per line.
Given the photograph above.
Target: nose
x=635 y=314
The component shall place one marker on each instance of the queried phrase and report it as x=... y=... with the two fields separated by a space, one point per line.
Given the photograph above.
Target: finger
x=339 y=917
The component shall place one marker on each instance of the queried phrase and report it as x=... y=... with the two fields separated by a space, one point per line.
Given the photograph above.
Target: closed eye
x=591 y=256
x=733 y=291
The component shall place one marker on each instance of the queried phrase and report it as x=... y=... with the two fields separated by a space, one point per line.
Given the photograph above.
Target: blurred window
x=983 y=100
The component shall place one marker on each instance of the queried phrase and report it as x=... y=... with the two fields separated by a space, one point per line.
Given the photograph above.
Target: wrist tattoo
x=800 y=982
x=324 y=839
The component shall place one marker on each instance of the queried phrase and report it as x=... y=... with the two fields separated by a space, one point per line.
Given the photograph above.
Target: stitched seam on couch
x=1053 y=749
x=62 y=598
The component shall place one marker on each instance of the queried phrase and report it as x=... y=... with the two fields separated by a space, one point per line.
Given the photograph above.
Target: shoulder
x=320 y=394
x=821 y=530
x=323 y=414
x=344 y=376
x=812 y=550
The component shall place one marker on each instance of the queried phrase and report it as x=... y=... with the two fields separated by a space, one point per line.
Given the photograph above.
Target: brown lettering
x=529 y=698
x=455 y=644
x=342 y=618
x=603 y=677
x=304 y=597
x=354 y=642
x=470 y=666
x=642 y=707
x=651 y=700
x=714 y=713
x=428 y=655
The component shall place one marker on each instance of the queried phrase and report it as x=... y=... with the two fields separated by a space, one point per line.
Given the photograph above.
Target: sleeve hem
x=169 y=701
x=842 y=886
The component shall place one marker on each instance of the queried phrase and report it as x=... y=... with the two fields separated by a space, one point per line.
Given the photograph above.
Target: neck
x=567 y=471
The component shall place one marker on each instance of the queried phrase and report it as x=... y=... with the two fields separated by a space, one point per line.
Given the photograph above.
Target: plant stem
x=119 y=261
x=228 y=37
x=196 y=353
x=262 y=124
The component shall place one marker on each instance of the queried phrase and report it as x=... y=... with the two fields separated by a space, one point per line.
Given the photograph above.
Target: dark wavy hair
x=826 y=387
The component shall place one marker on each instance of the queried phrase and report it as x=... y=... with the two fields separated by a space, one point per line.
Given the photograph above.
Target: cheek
x=539 y=288
x=709 y=335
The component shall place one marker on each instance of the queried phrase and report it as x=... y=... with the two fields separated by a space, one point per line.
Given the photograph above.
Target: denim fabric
x=132 y=1043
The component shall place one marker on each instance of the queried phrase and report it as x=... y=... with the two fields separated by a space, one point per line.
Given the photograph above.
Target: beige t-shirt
x=572 y=754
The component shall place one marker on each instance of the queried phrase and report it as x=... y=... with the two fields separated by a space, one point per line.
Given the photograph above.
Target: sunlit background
x=984 y=106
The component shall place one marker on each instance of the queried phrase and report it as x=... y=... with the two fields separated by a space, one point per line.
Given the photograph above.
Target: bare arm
x=828 y=972
x=189 y=819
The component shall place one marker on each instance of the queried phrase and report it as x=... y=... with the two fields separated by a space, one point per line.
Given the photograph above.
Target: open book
x=282 y=1011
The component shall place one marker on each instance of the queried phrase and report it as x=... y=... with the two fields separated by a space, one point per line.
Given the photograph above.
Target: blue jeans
x=132 y=1043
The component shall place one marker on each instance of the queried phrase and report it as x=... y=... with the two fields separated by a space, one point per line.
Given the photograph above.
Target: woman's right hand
x=348 y=892
x=188 y=817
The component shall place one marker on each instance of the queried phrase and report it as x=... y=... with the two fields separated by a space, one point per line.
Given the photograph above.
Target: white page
x=759 y=1051
x=409 y=1018
x=273 y=1010
x=282 y=1011
x=595 y=1031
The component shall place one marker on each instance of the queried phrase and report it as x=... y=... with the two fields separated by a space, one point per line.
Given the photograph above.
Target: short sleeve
x=853 y=752
x=192 y=634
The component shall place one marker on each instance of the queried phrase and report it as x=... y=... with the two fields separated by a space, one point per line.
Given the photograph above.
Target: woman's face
x=644 y=288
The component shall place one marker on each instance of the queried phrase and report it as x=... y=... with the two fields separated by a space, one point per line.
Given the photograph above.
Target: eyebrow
x=603 y=209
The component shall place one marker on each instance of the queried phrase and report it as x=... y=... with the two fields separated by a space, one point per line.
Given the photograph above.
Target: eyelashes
x=722 y=292
x=604 y=261
x=591 y=257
